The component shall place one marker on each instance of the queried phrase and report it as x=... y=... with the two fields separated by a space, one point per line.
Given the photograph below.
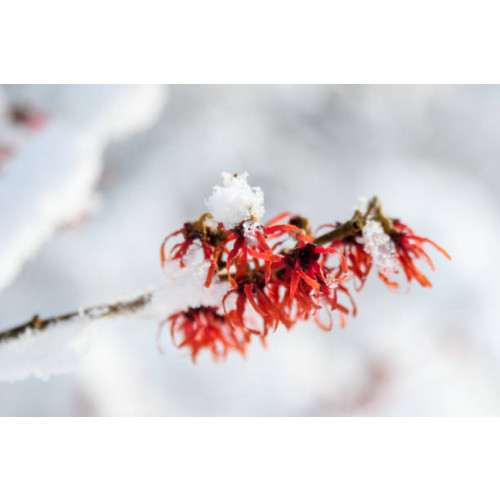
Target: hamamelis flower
x=248 y=242
x=204 y=328
x=253 y=292
x=359 y=261
x=308 y=283
x=409 y=247
x=193 y=233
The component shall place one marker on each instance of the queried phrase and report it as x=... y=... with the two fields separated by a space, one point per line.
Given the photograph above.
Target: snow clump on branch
x=235 y=201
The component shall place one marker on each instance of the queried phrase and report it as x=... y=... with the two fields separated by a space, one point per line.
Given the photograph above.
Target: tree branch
x=94 y=312
x=352 y=227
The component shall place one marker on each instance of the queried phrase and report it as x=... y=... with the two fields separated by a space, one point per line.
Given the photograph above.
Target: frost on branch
x=235 y=201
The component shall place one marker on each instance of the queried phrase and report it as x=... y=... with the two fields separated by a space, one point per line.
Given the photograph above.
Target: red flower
x=358 y=261
x=409 y=247
x=250 y=245
x=254 y=293
x=308 y=283
x=192 y=232
x=204 y=328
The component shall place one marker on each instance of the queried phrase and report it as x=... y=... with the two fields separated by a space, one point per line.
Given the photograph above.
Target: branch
x=94 y=312
x=349 y=228
x=352 y=227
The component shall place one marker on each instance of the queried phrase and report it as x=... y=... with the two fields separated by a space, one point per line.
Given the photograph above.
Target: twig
x=95 y=312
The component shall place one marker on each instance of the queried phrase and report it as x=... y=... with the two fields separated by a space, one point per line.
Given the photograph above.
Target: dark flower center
x=306 y=256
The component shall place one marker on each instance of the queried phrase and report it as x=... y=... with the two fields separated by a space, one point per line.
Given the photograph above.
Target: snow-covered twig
x=36 y=324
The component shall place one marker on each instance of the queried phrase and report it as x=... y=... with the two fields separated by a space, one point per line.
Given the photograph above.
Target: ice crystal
x=380 y=246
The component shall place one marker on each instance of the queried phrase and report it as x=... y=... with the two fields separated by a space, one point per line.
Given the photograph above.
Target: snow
x=235 y=201
x=49 y=181
x=43 y=354
x=249 y=230
x=52 y=178
x=380 y=246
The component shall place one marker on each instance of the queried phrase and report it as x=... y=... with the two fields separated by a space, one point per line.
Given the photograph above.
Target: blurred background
x=94 y=177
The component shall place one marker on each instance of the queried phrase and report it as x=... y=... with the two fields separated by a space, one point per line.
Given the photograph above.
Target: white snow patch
x=42 y=354
x=235 y=201
x=51 y=179
x=380 y=246
x=47 y=182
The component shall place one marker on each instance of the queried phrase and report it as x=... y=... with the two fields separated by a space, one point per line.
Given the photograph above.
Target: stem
x=355 y=225
x=349 y=228
x=94 y=312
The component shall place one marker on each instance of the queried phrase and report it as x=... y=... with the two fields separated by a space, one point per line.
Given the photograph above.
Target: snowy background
x=86 y=201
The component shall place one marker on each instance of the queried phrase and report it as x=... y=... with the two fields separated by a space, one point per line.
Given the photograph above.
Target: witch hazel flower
x=203 y=327
x=251 y=294
x=198 y=234
x=409 y=247
x=256 y=277
x=346 y=238
x=393 y=247
x=308 y=282
x=247 y=244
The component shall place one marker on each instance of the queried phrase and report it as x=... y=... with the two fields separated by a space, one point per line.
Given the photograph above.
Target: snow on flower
x=235 y=201
x=380 y=246
x=249 y=230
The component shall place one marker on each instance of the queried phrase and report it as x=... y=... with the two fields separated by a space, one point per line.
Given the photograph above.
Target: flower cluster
x=278 y=273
